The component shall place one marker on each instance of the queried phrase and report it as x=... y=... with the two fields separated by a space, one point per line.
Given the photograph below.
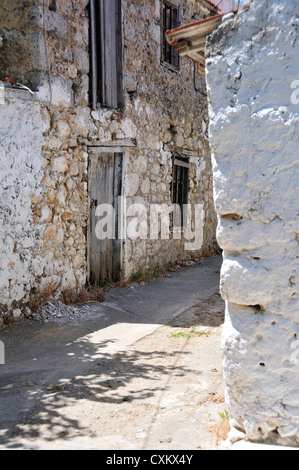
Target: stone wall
x=21 y=40
x=252 y=67
x=159 y=118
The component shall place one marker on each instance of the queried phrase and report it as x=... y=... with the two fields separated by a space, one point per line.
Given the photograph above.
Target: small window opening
x=180 y=190
x=170 y=20
x=52 y=5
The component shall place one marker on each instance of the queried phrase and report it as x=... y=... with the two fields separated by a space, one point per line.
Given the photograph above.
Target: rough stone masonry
x=254 y=112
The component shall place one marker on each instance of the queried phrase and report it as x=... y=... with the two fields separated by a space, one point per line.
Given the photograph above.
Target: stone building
x=111 y=116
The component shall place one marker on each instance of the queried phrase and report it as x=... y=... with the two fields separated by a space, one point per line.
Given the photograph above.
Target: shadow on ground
x=89 y=388
x=109 y=383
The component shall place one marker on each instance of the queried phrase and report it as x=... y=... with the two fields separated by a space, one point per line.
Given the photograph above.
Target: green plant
x=159 y=271
x=137 y=275
x=27 y=384
x=221 y=429
x=55 y=388
x=148 y=272
x=200 y=333
x=179 y=334
x=224 y=415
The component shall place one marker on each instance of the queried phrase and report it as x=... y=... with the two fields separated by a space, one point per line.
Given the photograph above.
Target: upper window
x=170 y=20
x=106 y=53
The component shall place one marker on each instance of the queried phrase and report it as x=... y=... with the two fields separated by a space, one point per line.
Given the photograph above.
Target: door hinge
x=93 y=203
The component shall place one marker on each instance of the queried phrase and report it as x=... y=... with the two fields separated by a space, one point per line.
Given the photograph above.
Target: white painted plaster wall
x=251 y=69
x=20 y=168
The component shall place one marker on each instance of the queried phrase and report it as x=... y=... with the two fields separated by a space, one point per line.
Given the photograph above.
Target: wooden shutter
x=106 y=49
x=94 y=54
x=175 y=24
x=110 y=53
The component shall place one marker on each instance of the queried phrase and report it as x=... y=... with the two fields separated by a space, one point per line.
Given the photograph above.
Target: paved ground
x=140 y=371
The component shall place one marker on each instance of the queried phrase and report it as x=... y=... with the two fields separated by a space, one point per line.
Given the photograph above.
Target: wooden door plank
x=117 y=243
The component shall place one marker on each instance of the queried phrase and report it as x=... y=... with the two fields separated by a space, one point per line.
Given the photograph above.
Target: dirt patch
x=164 y=392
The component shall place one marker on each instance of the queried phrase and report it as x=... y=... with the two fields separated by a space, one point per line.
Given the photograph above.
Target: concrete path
x=39 y=356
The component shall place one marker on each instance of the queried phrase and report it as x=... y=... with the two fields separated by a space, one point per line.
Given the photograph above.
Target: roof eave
x=190 y=40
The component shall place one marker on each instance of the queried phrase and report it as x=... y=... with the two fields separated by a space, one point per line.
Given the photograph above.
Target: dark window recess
x=52 y=5
x=170 y=20
x=180 y=189
x=106 y=53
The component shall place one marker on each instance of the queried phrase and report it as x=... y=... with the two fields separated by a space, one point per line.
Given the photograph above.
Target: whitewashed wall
x=21 y=173
x=254 y=114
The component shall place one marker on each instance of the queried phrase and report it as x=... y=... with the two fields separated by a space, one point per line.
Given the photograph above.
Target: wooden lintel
x=125 y=143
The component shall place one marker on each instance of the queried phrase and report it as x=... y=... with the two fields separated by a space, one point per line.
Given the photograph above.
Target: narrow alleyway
x=140 y=371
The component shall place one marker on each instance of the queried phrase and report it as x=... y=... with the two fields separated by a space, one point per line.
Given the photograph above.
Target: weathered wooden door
x=105 y=186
